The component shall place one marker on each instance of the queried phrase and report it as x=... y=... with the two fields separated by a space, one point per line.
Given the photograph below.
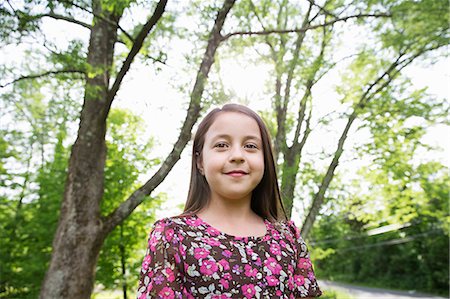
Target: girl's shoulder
x=174 y=223
x=288 y=229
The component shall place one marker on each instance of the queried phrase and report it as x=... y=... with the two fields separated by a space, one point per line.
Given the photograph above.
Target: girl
x=232 y=241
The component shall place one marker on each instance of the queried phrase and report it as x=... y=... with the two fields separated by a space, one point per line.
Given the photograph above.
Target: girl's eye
x=251 y=146
x=221 y=145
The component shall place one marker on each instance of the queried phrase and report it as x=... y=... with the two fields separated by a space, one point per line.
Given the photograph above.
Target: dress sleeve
x=304 y=280
x=161 y=275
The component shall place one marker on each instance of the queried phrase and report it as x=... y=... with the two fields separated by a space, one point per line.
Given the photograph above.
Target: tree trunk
x=123 y=263
x=81 y=231
x=320 y=195
x=79 y=235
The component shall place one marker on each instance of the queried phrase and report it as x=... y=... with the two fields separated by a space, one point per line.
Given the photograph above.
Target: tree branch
x=35 y=76
x=304 y=29
x=327 y=12
x=100 y=17
x=137 y=45
x=391 y=72
x=64 y=18
x=193 y=113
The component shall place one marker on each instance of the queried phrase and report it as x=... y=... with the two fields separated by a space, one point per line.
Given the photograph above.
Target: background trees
x=375 y=115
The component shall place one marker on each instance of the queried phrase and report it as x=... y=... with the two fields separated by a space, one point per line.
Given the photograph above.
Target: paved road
x=373 y=293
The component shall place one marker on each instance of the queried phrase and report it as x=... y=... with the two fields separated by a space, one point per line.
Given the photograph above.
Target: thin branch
x=35 y=76
x=64 y=18
x=327 y=12
x=101 y=18
x=137 y=45
x=304 y=29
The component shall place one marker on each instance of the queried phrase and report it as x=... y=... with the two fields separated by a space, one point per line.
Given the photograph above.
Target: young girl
x=232 y=241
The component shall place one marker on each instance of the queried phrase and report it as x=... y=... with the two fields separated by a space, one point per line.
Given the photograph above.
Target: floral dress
x=188 y=258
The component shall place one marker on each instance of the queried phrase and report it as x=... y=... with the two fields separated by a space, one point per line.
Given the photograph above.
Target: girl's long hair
x=266 y=200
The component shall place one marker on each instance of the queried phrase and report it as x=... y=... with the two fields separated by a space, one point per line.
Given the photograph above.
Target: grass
x=333 y=294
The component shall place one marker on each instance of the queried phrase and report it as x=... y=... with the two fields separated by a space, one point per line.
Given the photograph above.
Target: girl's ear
x=199 y=162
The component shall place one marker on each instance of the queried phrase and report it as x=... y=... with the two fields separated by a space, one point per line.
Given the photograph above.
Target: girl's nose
x=236 y=155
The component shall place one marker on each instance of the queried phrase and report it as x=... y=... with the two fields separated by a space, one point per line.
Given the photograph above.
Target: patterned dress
x=188 y=258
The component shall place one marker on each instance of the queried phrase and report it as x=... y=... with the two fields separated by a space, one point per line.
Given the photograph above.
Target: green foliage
x=27 y=227
x=128 y=156
x=411 y=249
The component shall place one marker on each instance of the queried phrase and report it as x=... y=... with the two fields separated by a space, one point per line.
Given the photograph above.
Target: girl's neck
x=227 y=213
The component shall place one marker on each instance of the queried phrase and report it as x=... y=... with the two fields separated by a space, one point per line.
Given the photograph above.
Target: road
x=357 y=292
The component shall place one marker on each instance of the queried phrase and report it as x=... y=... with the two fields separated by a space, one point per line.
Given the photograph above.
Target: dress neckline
x=267 y=223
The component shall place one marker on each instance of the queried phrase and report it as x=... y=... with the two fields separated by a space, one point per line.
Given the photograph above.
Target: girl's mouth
x=236 y=173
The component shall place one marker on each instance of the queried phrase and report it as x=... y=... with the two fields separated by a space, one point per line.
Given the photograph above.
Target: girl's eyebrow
x=226 y=136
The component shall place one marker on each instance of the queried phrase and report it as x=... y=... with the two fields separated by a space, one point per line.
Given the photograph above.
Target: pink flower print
x=146 y=262
x=186 y=266
x=311 y=276
x=212 y=231
x=227 y=253
x=158 y=279
x=258 y=262
x=227 y=276
x=182 y=250
x=169 y=274
x=236 y=269
x=177 y=258
x=250 y=272
x=278 y=293
x=200 y=253
x=193 y=222
x=275 y=235
x=273 y=265
x=169 y=234
x=299 y=280
x=225 y=284
x=304 y=263
x=272 y=281
x=180 y=237
x=211 y=241
x=153 y=241
x=290 y=238
x=248 y=290
x=249 y=251
x=290 y=269
x=296 y=230
x=275 y=249
x=225 y=265
x=291 y=283
x=160 y=227
x=208 y=267
x=166 y=293
x=266 y=238
x=221 y=296
x=187 y=295
x=283 y=244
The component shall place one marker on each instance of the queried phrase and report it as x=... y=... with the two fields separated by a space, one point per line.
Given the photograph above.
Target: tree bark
x=79 y=235
x=320 y=195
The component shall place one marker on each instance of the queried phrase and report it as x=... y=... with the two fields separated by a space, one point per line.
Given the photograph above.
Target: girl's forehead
x=234 y=123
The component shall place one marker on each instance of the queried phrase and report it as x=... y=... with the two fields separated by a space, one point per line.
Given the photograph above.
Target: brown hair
x=266 y=199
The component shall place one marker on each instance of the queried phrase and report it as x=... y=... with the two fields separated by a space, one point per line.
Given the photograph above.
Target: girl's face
x=232 y=159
